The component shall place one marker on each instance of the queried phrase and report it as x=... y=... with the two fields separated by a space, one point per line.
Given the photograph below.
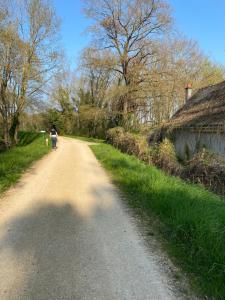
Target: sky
x=200 y=20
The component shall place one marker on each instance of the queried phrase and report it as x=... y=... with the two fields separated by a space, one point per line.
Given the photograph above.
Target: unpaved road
x=65 y=234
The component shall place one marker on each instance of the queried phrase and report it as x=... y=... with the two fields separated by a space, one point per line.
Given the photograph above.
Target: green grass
x=193 y=219
x=13 y=162
x=25 y=138
x=86 y=139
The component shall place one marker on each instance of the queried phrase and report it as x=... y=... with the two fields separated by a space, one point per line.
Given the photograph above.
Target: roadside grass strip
x=85 y=138
x=13 y=162
x=192 y=219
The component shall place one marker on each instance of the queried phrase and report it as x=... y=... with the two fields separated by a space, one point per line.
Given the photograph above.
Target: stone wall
x=187 y=143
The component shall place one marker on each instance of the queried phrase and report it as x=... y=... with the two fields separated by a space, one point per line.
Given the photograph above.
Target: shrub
x=205 y=168
x=114 y=135
x=168 y=157
x=208 y=169
x=91 y=121
x=164 y=156
x=129 y=143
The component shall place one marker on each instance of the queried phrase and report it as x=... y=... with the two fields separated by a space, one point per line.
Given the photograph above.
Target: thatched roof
x=203 y=112
x=206 y=108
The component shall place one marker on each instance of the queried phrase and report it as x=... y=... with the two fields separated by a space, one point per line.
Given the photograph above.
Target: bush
x=205 y=168
x=114 y=135
x=208 y=169
x=164 y=156
x=130 y=143
x=91 y=122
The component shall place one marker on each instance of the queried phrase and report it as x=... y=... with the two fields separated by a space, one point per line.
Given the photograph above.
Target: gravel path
x=65 y=234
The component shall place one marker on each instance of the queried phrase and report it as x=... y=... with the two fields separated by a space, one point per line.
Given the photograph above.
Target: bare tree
x=128 y=28
x=95 y=67
x=178 y=62
x=30 y=56
x=11 y=48
x=39 y=31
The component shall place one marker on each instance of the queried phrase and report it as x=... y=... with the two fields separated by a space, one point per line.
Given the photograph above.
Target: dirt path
x=64 y=234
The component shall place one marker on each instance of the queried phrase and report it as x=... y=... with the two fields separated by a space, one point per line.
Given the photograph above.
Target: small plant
x=165 y=157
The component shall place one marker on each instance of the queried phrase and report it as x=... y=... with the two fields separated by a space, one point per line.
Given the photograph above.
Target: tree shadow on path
x=51 y=255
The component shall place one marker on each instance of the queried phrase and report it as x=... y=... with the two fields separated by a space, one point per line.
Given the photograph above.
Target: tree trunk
x=125 y=113
x=14 y=129
x=6 y=135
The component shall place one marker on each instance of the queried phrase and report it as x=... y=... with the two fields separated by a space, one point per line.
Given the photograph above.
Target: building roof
x=206 y=108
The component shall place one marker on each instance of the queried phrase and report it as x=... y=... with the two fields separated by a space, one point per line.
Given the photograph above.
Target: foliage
x=91 y=121
x=136 y=70
x=205 y=168
x=193 y=218
x=26 y=138
x=52 y=117
x=130 y=143
x=127 y=29
x=164 y=156
x=32 y=122
x=29 y=56
x=208 y=169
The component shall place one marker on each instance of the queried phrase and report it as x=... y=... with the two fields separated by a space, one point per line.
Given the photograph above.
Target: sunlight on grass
x=14 y=161
x=193 y=218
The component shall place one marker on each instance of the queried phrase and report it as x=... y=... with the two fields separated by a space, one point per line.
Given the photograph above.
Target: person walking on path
x=53 y=136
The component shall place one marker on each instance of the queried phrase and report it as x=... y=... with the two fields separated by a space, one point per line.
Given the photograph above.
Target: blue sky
x=201 y=20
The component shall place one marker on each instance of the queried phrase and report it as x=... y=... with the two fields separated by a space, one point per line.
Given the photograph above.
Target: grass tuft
x=193 y=218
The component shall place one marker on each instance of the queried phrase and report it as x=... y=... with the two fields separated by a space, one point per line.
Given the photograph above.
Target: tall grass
x=25 y=138
x=13 y=162
x=193 y=219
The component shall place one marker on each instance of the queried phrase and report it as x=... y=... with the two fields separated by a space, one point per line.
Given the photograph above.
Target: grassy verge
x=193 y=219
x=14 y=161
x=86 y=139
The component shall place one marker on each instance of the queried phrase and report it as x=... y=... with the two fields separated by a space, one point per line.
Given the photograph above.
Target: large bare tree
x=11 y=49
x=33 y=38
x=128 y=28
